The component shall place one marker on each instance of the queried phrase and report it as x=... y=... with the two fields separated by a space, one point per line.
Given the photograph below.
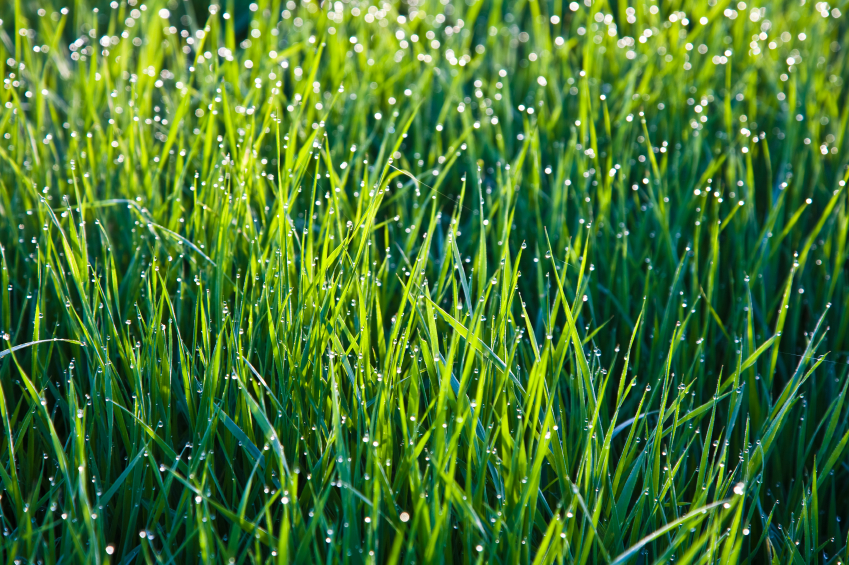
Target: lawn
x=455 y=281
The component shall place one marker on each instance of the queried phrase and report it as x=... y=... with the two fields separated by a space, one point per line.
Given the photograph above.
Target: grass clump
x=424 y=282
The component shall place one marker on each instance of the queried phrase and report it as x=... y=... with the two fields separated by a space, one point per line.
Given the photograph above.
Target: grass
x=420 y=282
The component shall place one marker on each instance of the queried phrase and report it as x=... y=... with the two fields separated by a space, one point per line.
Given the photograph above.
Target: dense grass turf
x=424 y=282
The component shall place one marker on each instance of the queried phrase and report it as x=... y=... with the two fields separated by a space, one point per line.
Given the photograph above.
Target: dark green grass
x=310 y=289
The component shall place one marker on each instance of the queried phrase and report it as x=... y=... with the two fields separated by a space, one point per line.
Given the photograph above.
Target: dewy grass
x=424 y=282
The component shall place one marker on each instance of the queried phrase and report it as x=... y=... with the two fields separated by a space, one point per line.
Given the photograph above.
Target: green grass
x=307 y=286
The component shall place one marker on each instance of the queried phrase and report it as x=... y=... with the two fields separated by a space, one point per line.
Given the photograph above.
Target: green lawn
x=424 y=282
